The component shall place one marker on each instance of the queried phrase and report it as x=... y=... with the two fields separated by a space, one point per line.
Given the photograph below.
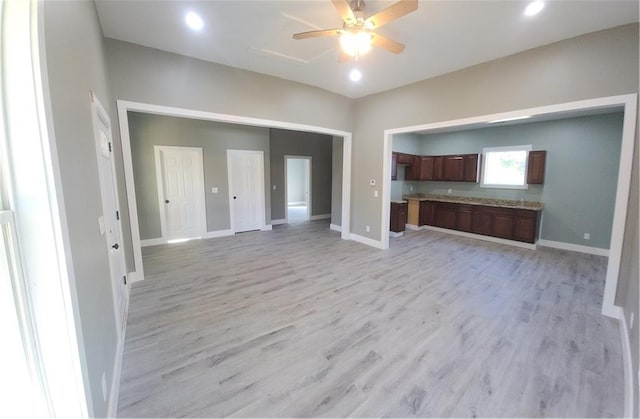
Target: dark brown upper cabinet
x=438 y=168
x=394 y=166
x=412 y=170
x=426 y=168
x=471 y=168
x=404 y=158
x=535 y=167
x=453 y=168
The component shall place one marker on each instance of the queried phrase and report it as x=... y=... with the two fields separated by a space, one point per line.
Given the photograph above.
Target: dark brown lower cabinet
x=427 y=213
x=446 y=215
x=505 y=223
x=464 y=218
x=399 y=213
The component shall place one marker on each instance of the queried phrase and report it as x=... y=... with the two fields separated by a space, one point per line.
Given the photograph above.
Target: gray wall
x=147 y=75
x=76 y=65
x=215 y=138
x=296 y=182
x=581 y=176
x=573 y=69
x=295 y=143
x=336 y=181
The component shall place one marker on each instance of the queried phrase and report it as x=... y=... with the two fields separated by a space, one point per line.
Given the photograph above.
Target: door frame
x=125 y=106
x=100 y=116
x=157 y=149
x=261 y=195
x=309 y=198
x=627 y=103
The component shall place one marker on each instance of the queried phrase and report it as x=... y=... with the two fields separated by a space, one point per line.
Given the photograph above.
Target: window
x=505 y=167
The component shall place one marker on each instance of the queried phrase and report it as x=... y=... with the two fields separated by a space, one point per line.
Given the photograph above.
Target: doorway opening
x=298 y=188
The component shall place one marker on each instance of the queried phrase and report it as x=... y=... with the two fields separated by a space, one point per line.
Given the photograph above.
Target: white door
x=180 y=175
x=246 y=189
x=110 y=224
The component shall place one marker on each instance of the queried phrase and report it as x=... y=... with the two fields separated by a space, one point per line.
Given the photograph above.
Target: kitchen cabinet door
x=412 y=170
x=453 y=169
x=535 y=167
x=427 y=213
x=503 y=225
x=464 y=218
x=482 y=222
x=404 y=158
x=525 y=226
x=394 y=166
x=446 y=215
x=438 y=167
x=426 y=168
x=471 y=168
x=398 y=217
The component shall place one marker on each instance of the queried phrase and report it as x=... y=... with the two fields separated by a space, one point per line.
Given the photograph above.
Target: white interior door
x=246 y=189
x=110 y=224
x=180 y=175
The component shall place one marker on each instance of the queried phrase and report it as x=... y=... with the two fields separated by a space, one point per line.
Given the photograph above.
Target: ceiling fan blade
x=344 y=10
x=386 y=43
x=396 y=10
x=344 y=57
x=315 y=34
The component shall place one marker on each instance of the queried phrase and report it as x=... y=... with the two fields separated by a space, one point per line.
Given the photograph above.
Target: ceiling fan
x=357 y=33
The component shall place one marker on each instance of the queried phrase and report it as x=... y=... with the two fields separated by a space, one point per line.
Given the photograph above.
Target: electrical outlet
x=104 y=386
x=587 y=236
x=368 y=229
x=631 y=320
x=274 y=187
x=449 y=191
x=214 y=190
x=410 y=188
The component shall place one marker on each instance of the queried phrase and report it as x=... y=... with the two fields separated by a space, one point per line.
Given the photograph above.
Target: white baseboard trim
x=278 y=222
x=574 y=247
x=320 y=217
x=396 y=234
x=296 y=203
x=414 y=227
x=132 y=277
x=217 y=233
x=480 y=237
x=152 y=242
x=335 y=227
x=626 y=363
x=266 y=227
x=365 y=240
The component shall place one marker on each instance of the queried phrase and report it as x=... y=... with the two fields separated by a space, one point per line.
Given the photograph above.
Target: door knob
x=116 y=246
x=166 y=201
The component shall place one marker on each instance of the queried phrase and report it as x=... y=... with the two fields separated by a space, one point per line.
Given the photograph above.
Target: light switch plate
x=214 y=190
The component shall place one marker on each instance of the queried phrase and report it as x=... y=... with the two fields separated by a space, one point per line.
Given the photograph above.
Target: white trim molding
x=278 y=222
x=626 y=102
x=365 y=240
x=320 y=217
x=126 y=106
x=335 y=227
x=627 y=363
x=266 y=227
x=152 y=242
x=217 y=233
x=574 y=247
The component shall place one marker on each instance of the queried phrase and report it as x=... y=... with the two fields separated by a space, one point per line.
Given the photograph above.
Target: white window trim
x=526 y=148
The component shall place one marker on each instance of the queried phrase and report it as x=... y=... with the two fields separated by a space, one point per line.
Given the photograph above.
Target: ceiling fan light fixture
x=355 y=75
x=355 y=43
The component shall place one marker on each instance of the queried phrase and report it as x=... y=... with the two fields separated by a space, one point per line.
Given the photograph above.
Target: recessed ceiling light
x=194 y=21
x=534 y=8
x=515 y=118
x=355 y=75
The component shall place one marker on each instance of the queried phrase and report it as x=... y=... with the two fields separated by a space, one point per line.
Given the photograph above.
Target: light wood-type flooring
x=295 y=322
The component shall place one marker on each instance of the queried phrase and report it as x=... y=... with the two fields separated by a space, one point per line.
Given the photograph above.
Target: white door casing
x=180 y=180
x=307 y=183
x=246 y=190
x=110 y=224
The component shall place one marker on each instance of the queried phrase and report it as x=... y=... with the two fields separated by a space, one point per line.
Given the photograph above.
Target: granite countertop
x=490 y=202
x=398 y=201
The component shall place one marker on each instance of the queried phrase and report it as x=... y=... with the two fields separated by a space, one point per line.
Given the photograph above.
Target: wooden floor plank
x=298 y=323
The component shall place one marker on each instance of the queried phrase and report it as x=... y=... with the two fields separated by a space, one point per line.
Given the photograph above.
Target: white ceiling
x=440 y=37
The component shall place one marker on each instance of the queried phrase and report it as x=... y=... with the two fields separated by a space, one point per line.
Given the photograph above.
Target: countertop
x=398 y=201
x=490 y=202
